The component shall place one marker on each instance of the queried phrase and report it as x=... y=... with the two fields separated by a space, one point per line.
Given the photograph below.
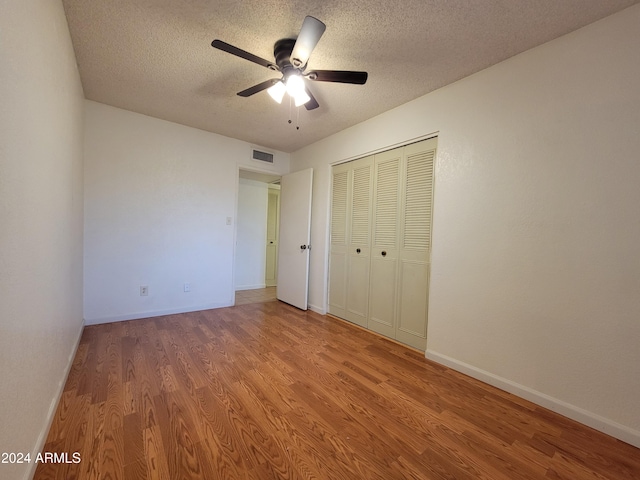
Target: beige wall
x=40 y=220
x=535 y=274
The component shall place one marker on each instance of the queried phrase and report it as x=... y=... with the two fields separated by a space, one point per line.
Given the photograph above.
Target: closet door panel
x=414 y=288
x=358 y=287
x=339 y=234
x=382 y=305
x=337 y=284
x=385 y=239
x=359 y=241
x=415 y=247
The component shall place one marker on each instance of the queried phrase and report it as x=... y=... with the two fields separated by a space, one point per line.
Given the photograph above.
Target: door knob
x=271 y=243
x=357 y=250
x=384 y=254
x=303 y=247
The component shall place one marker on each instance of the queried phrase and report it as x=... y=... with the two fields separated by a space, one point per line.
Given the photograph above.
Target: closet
x=381 y=241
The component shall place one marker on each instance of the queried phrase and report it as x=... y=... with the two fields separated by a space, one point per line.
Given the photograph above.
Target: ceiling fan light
x=277 y=91
x=295 y=85
x=301 y=98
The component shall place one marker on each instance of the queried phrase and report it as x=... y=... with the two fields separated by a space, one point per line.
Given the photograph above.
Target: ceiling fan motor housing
x=282 y=53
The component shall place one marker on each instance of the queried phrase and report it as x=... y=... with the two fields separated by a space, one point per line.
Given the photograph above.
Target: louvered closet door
x=385 y=241
x=415 y=245
x=358 y=241
x=341 y=178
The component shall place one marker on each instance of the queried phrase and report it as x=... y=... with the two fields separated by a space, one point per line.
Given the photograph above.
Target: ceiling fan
x=291 y=57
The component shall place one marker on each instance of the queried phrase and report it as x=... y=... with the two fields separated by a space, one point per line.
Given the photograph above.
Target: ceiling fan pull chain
x=297 y=118
x=290 y=109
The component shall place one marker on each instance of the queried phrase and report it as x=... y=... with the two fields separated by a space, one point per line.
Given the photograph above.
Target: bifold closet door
x=381 y=241
x=359 y=242
x=415 y=245
x=385 y=240
x=340 y=193
x=350 y=240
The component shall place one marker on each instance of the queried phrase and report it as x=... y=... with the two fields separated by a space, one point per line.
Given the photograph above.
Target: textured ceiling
x=155 y=56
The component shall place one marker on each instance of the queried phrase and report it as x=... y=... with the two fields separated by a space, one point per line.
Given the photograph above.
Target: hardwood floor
x=268 y=391
x=258 y=295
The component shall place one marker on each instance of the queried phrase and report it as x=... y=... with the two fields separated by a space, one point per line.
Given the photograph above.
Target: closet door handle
x=357 y=250
x=384 y=253
x=303 y=247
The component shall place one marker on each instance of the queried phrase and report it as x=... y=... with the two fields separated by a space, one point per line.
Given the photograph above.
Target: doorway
x=293 y=234
x=257 y=234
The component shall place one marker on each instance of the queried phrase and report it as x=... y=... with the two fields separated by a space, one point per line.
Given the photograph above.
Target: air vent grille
x=263 y=156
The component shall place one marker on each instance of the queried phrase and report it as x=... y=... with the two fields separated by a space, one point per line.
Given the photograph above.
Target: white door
x=340 y=193
x=273 y=211
x=384 y=243
x=415 y=248
x=295 y=236
x=359 y=243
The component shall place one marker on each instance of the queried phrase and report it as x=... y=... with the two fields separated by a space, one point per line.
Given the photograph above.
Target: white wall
x=157 y=198
x=535 y=280
x=40 y=221
x=251 y=240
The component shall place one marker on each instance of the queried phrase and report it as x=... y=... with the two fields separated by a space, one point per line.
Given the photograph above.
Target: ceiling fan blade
x=238 y=52
x=310 y=33
x=258 y=88
x=339 y=76
x=311 y=104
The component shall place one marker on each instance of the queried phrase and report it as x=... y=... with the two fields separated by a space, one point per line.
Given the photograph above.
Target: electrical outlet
x=144 y=290
x=187 y=287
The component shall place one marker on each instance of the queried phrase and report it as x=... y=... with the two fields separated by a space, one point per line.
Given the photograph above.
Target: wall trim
x=154 y=313
x=53 y=407
x=619 y=431
x=315 y=308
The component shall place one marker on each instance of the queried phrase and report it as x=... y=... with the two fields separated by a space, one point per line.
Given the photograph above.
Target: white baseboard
x=317 y=309
x=578 y=414
x=251 y=287
x=53 y=406
x=154 y=313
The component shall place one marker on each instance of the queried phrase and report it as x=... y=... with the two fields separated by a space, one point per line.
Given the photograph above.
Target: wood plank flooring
x=266 y=391
x=258 y=295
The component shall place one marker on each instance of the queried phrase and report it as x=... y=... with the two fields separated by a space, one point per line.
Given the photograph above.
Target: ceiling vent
x=262 y=156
